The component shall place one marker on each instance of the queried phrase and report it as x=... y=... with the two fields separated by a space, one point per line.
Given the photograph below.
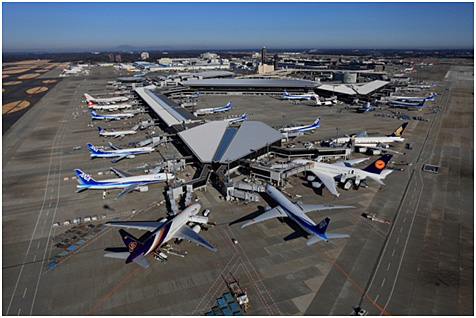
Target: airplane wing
x=328 y=181
x=139 y=225
x=187 y=233
x=350 y=162
x=121 y=173
x=385 y=149
x=114 y=147
x=306 y=208
x=362 y=134
x=118 y=158
x=128 y=189
x=276 y=212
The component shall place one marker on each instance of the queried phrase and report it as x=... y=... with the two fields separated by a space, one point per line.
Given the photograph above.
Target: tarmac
x=419 y=264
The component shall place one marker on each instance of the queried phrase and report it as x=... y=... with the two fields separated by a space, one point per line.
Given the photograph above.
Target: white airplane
x=235 y=120
x=407 y=105
x=345 y=173
x=410 y=69
x=314 y=125
x=118 y=99
x=208 y=111
x=126 y=181
x=118 y=153
x=379 y=143
x=159 y=233
x=111 y=107
x=297 y=213
x=299 y=97
x=430 y=97
x=117 y=133
x=193 y=95
x=118 y=116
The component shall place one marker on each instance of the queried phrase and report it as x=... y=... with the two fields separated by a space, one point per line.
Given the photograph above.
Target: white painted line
x=393 y=253
x=19 y=310
x=401 y=229
x=24 y=293
x=383 y=283
x=388 y=267
x=404 y=219
x=38 y=245
x=34 y=258
x=398 y=240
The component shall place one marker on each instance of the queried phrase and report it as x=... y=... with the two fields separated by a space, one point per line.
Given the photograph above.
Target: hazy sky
x=100 y=26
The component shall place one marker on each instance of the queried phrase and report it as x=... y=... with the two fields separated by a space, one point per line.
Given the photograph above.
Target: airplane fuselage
x=167 y=231
x=123 y=152
x=120 y=183
x=369 y=141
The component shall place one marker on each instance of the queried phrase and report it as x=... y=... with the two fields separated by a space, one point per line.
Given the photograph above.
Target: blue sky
x=100 y=26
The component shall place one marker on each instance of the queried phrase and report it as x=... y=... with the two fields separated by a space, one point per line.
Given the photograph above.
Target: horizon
x=90 y=27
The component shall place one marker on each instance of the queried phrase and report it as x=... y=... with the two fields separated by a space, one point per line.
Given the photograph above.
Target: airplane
x=117 y=133
x=430 y=97
x=236 y=120
x=299 y=97
x=297 y=213
x=118 y=99
x=208 y=111
x=140 y=75
x=345 y=173
x=119 y=116
x=315 y=124
x=109 y=107
x=160 y=232
x=408 y=105
x=197 y=94
x=126 y=181
x=119 y=153
x=409 y=69
x=364 y=142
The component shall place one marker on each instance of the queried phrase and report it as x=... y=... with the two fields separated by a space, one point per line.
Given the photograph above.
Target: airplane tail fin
x=228 y=105
x=99 y=130
x=93 y=149
x=286 y=93
x=400 y=130
x=244 y=116
x=321 y=235
x=378 y=165
x=83 y=178
x=134 y=246
x=88 y=97
x=318 y=120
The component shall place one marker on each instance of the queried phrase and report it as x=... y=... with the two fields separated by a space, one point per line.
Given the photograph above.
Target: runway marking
x=19 y=310
x=383 y=282
x=47 y=212
x=393 y=253
x=404 y=219
x=353 y=282
x=398 y=240
x=114 y=290
x=38 y=245
x=24 y=293
x=401 y=229
x=34 y=259
x=388 y=267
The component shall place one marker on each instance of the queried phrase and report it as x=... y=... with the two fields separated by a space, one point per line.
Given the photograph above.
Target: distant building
x=111 y=58
x=144 y=55
x=276 y=61
x=265 y=68
x=118 y=58
x=263 y=55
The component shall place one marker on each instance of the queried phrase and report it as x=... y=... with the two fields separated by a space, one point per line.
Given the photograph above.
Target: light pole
x=337 y=135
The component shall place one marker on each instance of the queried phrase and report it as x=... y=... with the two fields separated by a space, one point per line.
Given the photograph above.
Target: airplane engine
x=131 y=156
x=143 y=188
x=311 y=178
x=357 y=181
x=163 y=220
x=196 y=228
x=362 y=149
x=376 y=152
x=348 y=184
x=267 y=208
x=316 y=185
